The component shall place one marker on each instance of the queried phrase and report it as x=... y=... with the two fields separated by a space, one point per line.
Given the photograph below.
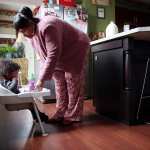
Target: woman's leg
x=61 y=94
x=75 y=85
x=76 y=93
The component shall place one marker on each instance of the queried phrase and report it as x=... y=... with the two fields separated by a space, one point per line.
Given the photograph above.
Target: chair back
x=4 y=91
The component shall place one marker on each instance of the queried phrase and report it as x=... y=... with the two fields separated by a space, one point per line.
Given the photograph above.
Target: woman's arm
x=52 y=44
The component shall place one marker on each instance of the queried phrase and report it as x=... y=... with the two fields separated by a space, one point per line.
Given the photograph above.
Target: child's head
x=9 y=69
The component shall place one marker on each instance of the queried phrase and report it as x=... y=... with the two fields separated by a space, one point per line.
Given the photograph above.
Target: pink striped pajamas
x=69 y=94
x=63 y=50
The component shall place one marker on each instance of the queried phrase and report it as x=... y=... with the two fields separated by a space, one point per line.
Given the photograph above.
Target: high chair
x=12 y=102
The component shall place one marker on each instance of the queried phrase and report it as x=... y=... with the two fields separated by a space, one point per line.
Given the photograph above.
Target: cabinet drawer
x=107 y=46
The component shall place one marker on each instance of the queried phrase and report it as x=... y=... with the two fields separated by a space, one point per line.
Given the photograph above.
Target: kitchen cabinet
x=118 y=67
x=132 y=17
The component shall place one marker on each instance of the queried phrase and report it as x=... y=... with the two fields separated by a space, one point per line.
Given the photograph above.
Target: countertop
x=139 y=33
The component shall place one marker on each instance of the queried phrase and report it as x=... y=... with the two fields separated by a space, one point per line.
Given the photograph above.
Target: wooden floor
x=94 y=133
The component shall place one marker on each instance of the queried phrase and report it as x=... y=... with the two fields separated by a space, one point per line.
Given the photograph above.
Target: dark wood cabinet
x=118 y=68
x=133 y=17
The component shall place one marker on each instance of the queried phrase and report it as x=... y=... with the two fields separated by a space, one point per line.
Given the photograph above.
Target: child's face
x=13 y=75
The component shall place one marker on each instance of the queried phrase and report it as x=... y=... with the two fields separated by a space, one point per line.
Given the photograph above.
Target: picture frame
x=101 y=2
x=101 y=12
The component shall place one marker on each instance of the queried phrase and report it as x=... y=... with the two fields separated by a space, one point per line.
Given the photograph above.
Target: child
x=9 y=79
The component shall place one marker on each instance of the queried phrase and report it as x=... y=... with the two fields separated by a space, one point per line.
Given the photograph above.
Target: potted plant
x=6 y=51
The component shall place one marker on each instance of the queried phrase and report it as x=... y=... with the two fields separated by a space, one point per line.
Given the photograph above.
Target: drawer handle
x=96 y=58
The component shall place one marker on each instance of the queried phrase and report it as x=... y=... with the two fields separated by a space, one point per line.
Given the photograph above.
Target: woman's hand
x=39 y=85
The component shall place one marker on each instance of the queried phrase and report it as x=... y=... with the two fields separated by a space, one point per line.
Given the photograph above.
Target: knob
x=96 y=58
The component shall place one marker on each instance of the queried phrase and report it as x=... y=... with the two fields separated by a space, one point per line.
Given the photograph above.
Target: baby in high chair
x=9 y=71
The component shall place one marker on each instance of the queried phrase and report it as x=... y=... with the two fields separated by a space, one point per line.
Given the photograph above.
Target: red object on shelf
x=45 y=1
x=67 y=2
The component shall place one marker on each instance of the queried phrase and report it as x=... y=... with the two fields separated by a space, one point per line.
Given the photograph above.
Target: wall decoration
x=101 y=12
x=101 y=2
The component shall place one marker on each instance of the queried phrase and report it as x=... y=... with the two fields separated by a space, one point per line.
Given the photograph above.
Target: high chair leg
x=39 y=120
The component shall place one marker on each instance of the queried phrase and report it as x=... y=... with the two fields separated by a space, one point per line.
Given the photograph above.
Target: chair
x=12 y=102
x=142 y=97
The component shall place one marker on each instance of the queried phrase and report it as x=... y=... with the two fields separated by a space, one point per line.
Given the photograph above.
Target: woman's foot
x=70 y=122
x=55 y=120
x=67 y=122
x=44 y=117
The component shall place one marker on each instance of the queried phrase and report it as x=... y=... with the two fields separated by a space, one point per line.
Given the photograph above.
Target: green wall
x=95 y=24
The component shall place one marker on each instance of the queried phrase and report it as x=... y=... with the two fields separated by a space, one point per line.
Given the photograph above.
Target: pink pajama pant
x=69 y=89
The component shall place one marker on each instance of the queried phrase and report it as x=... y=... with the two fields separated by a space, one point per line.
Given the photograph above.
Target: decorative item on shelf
x=93 y=36
x=126 y=27
x=97 y=35
x=71 y=3
x=45 y=1
x=111 y=29
x=101 y=2
x=100 y=35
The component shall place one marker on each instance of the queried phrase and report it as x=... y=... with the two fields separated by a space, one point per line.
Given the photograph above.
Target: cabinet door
x=107 y=80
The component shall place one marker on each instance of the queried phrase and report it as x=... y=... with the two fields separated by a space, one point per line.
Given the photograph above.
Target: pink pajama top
x=60 y=46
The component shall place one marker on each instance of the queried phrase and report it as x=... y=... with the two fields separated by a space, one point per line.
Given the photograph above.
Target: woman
x=63 y=51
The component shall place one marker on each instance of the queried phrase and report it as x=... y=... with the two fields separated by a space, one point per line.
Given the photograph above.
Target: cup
x=126 y=27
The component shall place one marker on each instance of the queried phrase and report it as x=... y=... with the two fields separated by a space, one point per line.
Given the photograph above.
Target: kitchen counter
x=118 y=69
x=139 y=33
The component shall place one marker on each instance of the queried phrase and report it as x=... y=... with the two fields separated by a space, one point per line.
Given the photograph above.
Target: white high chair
x=7 y=98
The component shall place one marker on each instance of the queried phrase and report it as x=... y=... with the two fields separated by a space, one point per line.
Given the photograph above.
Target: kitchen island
x=118 y=68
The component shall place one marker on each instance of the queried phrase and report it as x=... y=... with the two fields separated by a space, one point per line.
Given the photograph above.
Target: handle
x=95 y=58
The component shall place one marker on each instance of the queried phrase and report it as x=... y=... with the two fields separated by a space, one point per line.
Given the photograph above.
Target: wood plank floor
x=94 y=133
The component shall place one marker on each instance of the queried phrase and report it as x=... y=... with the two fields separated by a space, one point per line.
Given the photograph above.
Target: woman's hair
x=24 y=18
x=7 y=67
